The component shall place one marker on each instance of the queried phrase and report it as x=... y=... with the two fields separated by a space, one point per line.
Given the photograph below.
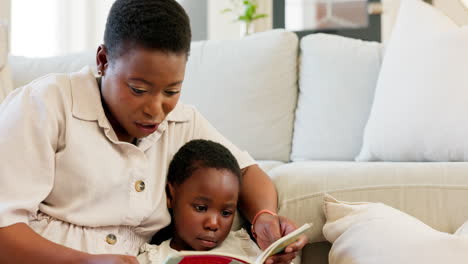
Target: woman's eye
x=226 y=213
x=200 y=208
x=137 y=91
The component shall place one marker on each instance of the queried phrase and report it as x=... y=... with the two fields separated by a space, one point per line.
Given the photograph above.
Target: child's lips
x=208 y=242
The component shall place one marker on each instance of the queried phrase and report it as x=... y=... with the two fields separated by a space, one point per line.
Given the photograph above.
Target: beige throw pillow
x=371 y=233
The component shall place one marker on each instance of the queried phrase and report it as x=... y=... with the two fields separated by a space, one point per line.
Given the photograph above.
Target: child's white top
x=236 y=243
x=64 y=172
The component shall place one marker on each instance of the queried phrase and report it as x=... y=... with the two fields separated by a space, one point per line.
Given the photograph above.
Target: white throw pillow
x=247 y=89
x=337 y=80
x=420 y=109
x=370 y=233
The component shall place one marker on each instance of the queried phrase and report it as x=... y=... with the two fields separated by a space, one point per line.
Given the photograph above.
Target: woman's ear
x=101 y=59
x=170 y=192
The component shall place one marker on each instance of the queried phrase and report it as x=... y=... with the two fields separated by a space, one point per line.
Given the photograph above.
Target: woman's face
x=139 y=89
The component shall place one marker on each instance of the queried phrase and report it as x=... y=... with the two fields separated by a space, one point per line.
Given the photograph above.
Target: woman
x=91 y=154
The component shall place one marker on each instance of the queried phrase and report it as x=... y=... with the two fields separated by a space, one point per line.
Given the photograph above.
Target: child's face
x=203 y=208
x=140 y=88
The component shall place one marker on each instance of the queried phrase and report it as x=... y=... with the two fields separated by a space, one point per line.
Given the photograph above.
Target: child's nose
x=212 y=222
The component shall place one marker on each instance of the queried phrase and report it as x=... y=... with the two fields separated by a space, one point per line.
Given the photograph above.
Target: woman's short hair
x=152 y=24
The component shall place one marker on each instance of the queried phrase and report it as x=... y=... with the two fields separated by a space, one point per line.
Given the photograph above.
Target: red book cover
x=211 y=259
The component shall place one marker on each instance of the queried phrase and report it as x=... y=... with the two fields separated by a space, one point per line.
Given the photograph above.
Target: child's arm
x=20 y=244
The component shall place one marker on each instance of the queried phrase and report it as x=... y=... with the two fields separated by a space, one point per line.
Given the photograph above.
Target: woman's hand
x=269 y=228
x=110 y=259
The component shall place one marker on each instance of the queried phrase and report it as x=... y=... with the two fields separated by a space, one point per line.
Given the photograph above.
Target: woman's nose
x=154 y=109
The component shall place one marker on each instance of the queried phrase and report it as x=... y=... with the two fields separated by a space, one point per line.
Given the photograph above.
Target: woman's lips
x=147 y=128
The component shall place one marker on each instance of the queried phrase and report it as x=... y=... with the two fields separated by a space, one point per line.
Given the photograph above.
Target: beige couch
x=300 y=109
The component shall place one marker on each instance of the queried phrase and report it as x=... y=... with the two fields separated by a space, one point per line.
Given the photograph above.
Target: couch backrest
x=248 y=90
x=337 y=79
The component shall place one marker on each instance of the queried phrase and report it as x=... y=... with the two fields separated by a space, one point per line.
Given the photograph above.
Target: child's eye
x=136 y=90
x=200 y=208
x=171 y=93
x=226 y=213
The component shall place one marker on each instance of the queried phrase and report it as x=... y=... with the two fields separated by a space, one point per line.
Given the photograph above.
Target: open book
x=207 y=257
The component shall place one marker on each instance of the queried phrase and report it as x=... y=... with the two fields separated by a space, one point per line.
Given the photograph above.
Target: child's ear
x=170 y=194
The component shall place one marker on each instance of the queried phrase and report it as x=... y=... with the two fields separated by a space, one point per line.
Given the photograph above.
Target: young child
x=203 y=186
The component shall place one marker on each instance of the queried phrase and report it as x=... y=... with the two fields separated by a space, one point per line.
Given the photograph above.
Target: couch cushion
x=337 y=81
x=419 y=110
x=268 y=165
x=247 y=89
x=435 y=193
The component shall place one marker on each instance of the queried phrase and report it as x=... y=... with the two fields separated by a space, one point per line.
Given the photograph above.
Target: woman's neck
x=120 y=132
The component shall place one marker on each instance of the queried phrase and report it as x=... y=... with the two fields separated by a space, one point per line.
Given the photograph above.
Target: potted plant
x=246 y=13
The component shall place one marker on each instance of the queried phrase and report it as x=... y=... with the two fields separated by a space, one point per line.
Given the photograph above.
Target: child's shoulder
x=239 y=243
x=154 y=253
x=240 y=234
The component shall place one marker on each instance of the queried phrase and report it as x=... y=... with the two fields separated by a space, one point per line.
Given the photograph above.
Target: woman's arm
x=20 y=244
x=31 y=120
x=257 y=192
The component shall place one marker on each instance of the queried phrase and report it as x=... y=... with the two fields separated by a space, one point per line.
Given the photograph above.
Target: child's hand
x=110 y=259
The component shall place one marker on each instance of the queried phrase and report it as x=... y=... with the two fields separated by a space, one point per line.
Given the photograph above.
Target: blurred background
x=57 y=27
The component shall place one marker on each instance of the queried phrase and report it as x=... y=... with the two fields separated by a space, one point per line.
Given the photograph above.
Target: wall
x=454 y=9
x=198 y=13
x=61 y=27
x=5 y=11
x=209 y=23
x=389 y=14
x=221 y=26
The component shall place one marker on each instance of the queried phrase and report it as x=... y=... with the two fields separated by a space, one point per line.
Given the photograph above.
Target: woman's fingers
x=284 y=258
x=298 y=245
